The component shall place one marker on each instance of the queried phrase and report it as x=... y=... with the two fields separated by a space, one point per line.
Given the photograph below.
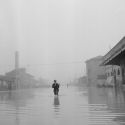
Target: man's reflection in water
x=56 y=105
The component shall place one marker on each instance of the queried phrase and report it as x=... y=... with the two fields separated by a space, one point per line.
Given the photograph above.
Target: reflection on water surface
x=73 y=106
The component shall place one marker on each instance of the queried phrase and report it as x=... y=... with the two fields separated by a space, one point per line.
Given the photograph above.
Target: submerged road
x=73 y=106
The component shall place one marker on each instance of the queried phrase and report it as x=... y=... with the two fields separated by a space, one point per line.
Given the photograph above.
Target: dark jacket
x=55 y=86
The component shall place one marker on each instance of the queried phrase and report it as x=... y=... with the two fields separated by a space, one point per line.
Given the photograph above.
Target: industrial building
x=95 y=72
x=17 y=78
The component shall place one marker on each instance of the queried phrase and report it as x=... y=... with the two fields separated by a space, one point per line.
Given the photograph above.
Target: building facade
x=17 y=78
x=116 y=57
x=113 y=75
x=22 y=78
x=95 y=72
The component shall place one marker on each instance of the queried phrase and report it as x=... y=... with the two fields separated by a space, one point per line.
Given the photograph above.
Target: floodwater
x=73 y=106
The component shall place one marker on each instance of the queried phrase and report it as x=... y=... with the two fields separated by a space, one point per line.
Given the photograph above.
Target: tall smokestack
x=16 y=60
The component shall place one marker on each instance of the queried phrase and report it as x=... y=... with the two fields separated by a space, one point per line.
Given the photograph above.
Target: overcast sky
x=58 y=34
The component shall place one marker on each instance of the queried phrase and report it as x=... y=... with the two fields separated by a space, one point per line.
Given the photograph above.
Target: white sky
x=58 y=31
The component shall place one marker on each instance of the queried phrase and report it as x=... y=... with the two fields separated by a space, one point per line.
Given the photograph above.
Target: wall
x=94 y=70
x=113 y=74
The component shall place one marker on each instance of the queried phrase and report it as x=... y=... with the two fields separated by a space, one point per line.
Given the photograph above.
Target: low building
x=6 y=82
x=95 y=72
x=22 y=78
x=82 y=80
x=17 y=78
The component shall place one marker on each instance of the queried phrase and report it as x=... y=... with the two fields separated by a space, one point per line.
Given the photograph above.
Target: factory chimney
x=16 y=60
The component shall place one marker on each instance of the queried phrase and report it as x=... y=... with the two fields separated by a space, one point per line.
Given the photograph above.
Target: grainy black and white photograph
x=62 y=62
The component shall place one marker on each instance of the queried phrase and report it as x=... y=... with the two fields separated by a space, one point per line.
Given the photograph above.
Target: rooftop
x=114 y=52
x=94 y=58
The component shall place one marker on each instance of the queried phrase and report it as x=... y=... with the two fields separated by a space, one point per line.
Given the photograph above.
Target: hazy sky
x=58 y=33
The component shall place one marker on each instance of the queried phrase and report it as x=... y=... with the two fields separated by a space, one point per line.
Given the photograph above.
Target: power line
x=45 y=64
x=61 y=63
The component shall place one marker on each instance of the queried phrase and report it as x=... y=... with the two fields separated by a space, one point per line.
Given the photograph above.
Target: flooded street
x=73 y=106
x=77 y=46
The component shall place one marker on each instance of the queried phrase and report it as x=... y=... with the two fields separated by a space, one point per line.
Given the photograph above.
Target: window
x=111 y=73
x=114 y=72
x=118 y=72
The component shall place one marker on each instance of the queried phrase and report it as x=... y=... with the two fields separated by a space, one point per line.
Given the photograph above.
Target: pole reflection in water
x=12 y=105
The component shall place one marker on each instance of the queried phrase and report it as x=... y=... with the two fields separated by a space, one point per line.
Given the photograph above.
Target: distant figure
x=55 y=87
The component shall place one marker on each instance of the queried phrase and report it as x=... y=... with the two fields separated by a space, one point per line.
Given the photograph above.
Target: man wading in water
x=55 y=87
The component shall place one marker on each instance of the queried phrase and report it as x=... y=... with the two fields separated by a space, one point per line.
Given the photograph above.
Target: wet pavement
x=73 y=106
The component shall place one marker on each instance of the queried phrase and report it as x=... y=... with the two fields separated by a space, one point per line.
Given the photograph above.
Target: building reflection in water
x=109 y=101
x=16 y=101
x=17 y=98
x=56 y=105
